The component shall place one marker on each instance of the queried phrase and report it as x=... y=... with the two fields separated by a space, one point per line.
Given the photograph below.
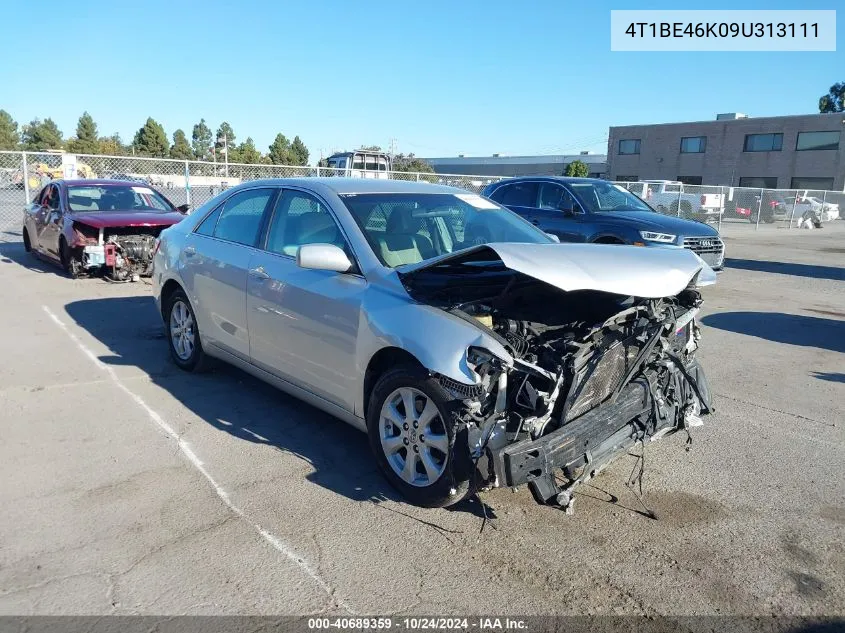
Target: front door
x=557 y=213
x=215 y=265
x=303 y=324
x=52 y=230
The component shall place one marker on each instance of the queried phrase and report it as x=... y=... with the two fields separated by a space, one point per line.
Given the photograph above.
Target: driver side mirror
x=566 y=207
x=183 y=208
x=323 y=257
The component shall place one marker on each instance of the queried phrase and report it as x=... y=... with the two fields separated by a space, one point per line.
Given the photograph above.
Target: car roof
x=561 y=179
x=97 y=181
x=342 y=186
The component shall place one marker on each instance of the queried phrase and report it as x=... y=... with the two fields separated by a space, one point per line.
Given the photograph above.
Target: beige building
x=785 y=152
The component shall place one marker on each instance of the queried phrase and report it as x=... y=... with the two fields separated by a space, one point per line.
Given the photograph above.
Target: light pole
x=225 y=141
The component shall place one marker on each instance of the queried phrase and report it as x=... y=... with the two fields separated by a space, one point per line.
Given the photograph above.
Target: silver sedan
x=474 y=349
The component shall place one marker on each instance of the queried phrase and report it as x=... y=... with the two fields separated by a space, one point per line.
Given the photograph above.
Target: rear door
x=215 y=265
x=519 y=197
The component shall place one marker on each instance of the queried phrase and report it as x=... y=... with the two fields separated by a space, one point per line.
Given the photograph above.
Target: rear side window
x=240 y=217
x=520 y=194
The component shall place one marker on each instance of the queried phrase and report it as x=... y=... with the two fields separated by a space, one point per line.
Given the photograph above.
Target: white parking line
x=186 y=450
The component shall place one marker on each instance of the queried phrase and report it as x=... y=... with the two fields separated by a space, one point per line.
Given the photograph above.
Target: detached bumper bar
x=592 y=440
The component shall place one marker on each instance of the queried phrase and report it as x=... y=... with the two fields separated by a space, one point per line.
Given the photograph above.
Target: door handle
x=189 y=251
x=259 y=273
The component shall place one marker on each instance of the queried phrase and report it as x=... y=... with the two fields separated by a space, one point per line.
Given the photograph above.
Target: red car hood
x=110 y=219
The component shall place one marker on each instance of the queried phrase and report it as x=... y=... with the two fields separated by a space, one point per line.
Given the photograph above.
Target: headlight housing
x=663 y=238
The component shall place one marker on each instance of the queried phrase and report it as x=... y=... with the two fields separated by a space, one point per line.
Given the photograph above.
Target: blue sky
x=440 y=77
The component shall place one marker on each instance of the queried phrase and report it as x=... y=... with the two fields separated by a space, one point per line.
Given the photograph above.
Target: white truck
x=668 y=196
x=361 y=163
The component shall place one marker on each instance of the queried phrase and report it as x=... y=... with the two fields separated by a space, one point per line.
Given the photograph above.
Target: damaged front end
x=119 y=254
x=591 y=373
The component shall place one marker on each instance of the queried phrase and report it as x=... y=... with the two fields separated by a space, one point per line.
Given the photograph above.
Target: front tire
x=183 y=335
x=27 y=245
x=410 y=423
x=69 y=263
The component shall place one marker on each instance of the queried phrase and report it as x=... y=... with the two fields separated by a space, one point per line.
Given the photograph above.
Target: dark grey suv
x=592 y=210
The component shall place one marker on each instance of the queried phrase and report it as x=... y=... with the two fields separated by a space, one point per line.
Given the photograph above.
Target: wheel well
x=167 y=291
x=383 y=360
x=608 y=239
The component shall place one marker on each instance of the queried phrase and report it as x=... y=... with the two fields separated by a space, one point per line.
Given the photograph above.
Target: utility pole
x=392 y=150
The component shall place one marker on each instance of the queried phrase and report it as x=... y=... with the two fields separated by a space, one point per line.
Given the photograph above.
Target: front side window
x=817 y=140
x=299 y=219
x=604 y=196
x=555 y=197
x=763 y=142
x=693 y=144
x=408 y=228
x=52 y=199
x=629 y=146
x=240 y=216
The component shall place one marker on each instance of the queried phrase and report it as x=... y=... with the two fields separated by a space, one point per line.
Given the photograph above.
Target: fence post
x=759 y=210
x=794 y=204
x=680 y=190
x=25 y=178
x=318 y=170
x=187 y=183
x=418 y=176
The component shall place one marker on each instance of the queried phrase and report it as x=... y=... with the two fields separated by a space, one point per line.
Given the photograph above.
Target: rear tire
x=183 y=335
x=440 y=471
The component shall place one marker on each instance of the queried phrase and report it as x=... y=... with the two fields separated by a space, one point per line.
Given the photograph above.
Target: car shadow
x=792 y=329
x=236 y=403
x=15 y=253
x=788 y=268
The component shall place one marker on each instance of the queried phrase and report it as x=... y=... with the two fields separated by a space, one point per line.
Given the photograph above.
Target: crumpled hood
x=624 y=270
x=111 y=219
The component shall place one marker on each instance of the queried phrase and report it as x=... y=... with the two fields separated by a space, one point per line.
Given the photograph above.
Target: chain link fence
x=23 y=174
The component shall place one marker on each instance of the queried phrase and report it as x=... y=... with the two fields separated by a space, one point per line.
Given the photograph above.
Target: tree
x=247 y=153
x=411 y=163
x=151 y=140
x=41 y=135
x=9 y=136
x=85 y=141
x=111 y=145
x=181 y=149
x=201 y=140
x=577 y=169
x=298 y=152
x=279 y=153
x=833 y=101
x=225 y=130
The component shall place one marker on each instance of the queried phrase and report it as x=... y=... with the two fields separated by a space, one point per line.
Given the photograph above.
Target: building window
x=759 y=182
x=621 y=178
x=817 y=140
x=629 y=146
x=763 y=142
x=799 y=182
x=693 y=144
x=690 y=180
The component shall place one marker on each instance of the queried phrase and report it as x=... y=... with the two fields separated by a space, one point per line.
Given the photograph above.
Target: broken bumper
x=591 y=441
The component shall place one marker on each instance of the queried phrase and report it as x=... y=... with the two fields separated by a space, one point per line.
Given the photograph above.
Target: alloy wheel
x=413 y=437
x=182 y=330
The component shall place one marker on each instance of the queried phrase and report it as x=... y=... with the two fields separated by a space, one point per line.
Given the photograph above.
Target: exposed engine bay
x=119 y=254
x=591 y=375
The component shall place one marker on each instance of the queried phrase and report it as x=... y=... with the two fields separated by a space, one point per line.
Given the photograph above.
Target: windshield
x=598 y=197
x=408 y=228
x=116 y=198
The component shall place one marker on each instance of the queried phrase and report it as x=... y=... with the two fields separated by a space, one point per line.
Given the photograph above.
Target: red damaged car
x=99 y=226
